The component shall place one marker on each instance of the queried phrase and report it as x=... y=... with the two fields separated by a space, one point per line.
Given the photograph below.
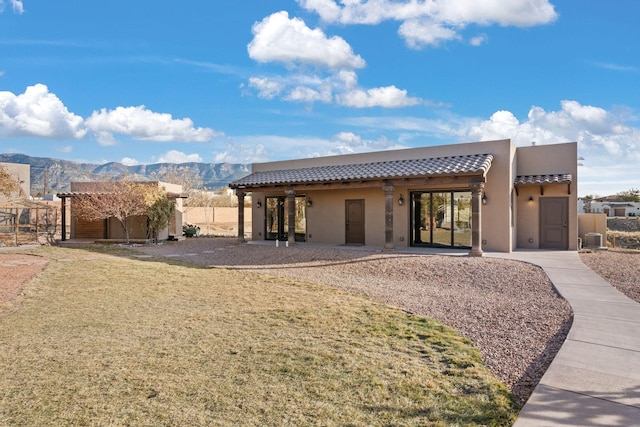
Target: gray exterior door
x=554 y=219
x=354 y=222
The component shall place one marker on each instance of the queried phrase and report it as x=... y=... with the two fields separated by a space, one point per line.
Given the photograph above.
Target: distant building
x=478 y=196
x=613 y=209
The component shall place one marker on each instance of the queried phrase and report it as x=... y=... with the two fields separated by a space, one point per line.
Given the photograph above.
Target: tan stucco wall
x=592 y=223
x=543 y=160
x=501 y=216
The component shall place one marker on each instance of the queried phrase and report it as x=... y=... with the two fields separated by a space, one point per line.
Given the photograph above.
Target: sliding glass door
x=277 y=218
x=441 y=219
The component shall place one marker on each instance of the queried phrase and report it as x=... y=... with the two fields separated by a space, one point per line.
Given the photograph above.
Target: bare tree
x=9 y=184
x=120 y=200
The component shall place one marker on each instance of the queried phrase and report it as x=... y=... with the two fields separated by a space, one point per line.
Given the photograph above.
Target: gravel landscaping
x=508 y=309
x=620 y=267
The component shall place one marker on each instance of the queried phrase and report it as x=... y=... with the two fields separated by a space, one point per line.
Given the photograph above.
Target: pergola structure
x=10 y=213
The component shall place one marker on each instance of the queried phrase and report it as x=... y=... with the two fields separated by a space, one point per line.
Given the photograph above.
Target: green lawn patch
x=104 y=339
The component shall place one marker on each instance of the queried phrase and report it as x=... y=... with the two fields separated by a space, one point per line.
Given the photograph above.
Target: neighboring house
x=476 y=196
x=110 y=229
x=613 y=209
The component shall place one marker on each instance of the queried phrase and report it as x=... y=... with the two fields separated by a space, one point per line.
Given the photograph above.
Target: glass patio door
x=277 y=218
x=441 y=219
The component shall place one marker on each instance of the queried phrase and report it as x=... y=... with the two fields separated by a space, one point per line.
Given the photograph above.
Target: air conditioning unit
x=593 y=240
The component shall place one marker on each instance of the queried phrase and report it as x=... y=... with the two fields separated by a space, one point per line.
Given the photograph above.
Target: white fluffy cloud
x=418 y=33
x=604 y=134
x=39 y=113
x=340 y=88
x=17 y=6
x=430 y=22
x=278 y=38
x=174 y=156
x=142 y=124
x=387 y=97
x=128 y=161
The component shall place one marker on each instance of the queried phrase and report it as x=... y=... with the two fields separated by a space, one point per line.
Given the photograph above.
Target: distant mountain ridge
x=60 y=173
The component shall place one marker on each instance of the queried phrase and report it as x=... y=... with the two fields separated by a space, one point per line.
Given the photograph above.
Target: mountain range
x=49 y=175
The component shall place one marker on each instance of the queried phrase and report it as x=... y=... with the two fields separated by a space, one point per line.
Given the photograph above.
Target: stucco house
x=110 y=229
x=476 y=196
x=613 y=209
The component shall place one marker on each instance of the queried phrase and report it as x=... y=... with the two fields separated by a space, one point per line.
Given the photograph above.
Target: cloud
x=478 y=40
x=340 y=88
x=242 y=153
x=614 y=67
x=278 y=38
x=349 y=143
x=17 y=6
x=142 y=124
x=430 y=22
x=174 y=156
x=37 y=113
x=262 y=148
x=267 y=88
x=606 y=135
x=65 y=149
x=418 y=33
x=387 y=97
x=128 y=161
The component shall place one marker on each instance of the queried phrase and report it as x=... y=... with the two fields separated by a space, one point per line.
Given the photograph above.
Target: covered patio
x=391 y=180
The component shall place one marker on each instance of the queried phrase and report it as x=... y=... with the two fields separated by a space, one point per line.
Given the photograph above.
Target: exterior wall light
x=401 y=200
x=485 y=199
x=259 y=204
x=530 y=199
x=309 y=202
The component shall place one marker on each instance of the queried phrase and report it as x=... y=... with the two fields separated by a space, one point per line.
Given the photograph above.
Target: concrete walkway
x=594 y=379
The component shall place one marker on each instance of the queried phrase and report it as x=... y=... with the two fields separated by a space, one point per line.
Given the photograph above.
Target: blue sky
x=253 y=80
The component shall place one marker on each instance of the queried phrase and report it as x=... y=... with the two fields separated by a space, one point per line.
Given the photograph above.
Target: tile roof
x=559 y=178
x=442 y=166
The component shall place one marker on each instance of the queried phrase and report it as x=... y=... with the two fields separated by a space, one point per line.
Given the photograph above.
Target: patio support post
x=240 y=193
x=388 y=216
x=291 y=216
x=476 y=219
x=63 y=206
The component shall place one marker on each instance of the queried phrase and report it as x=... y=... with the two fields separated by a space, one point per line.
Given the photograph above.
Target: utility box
x=593 y=240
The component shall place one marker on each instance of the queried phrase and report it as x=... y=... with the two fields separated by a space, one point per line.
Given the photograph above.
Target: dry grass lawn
x=102 y=338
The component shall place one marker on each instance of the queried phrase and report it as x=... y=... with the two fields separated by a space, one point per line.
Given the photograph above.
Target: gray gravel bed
x=508 y=309
x=620 y=267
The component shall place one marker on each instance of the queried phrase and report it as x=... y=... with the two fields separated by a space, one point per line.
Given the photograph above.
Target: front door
x=355 y=222
x=554 y=218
